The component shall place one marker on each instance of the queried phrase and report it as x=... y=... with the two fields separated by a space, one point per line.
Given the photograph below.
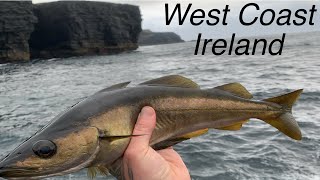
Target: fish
x=95 y=132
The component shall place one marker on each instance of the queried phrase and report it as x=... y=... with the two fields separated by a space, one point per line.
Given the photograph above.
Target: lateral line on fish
x=217 y=110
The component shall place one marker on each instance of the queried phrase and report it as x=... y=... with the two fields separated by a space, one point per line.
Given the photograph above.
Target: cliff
x=66 y=28
x=148 y=37
x=75 y=28
x=16 y=24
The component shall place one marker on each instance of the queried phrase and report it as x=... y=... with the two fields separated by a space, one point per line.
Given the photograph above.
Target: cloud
x=189 y=32
x=153 y=15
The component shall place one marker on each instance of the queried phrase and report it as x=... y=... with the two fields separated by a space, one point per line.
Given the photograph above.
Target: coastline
x=66 y=28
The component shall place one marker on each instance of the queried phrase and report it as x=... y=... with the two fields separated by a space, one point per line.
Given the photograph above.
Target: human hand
x=141 y=162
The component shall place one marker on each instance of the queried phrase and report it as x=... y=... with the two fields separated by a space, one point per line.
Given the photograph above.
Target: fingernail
x=146 y=111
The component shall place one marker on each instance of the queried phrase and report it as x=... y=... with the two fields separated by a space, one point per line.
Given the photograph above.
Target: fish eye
x=44 y=148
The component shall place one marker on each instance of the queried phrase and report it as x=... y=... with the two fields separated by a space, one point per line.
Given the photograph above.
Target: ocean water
x=31 y=94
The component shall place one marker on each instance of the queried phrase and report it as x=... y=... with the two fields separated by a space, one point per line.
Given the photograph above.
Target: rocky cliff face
x=16 y=24
x=66 y=28
x=148 y=37
x=73 y=28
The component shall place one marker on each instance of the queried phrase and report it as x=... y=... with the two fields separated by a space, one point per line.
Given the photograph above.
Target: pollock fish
x=95 y=132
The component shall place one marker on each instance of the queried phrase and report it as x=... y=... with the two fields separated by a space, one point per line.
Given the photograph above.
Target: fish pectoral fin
x=237 y=89
x=114 y=87
x=116 y=169
x=173 y=141
x=234 y=127
x=93 y=171
x=172 y=80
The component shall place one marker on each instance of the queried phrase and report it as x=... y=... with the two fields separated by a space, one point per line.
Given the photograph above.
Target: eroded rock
x=16 y=24
x=78 y=28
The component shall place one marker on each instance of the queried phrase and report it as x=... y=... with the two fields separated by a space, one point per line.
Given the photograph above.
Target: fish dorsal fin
x=115 y=87
x=93 y=171
x=172 y=80
x=173 y=141
x=237 y=89
x=234 y=127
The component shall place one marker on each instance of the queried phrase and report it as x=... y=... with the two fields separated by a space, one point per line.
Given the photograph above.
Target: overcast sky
x=153 y=15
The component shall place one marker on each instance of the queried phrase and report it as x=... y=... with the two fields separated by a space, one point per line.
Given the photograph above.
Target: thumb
x=145 y=125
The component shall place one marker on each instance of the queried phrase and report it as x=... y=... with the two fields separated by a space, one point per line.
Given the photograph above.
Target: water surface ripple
x=33 y=93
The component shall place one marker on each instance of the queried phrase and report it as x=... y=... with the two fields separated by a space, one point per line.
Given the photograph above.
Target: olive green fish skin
x=182 y=110
x=83 y=134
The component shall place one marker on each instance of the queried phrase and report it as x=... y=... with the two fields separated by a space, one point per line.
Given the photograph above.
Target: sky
x=153 y=15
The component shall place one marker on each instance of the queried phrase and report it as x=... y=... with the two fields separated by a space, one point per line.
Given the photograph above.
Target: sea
x=32 y=93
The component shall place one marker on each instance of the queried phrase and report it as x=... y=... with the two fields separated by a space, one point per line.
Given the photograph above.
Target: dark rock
x=75 y=28
x=66 y=28
x=148 y=37
x=16 y=24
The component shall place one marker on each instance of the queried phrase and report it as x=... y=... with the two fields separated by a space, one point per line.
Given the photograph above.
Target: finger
x=168 y=152
x=170 y=155
x=144 y=126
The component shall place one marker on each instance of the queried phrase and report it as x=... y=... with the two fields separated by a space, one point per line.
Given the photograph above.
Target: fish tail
x=286 y=122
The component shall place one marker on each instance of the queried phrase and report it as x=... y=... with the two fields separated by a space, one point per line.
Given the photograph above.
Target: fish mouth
x=17 y=173
x=21 y=173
